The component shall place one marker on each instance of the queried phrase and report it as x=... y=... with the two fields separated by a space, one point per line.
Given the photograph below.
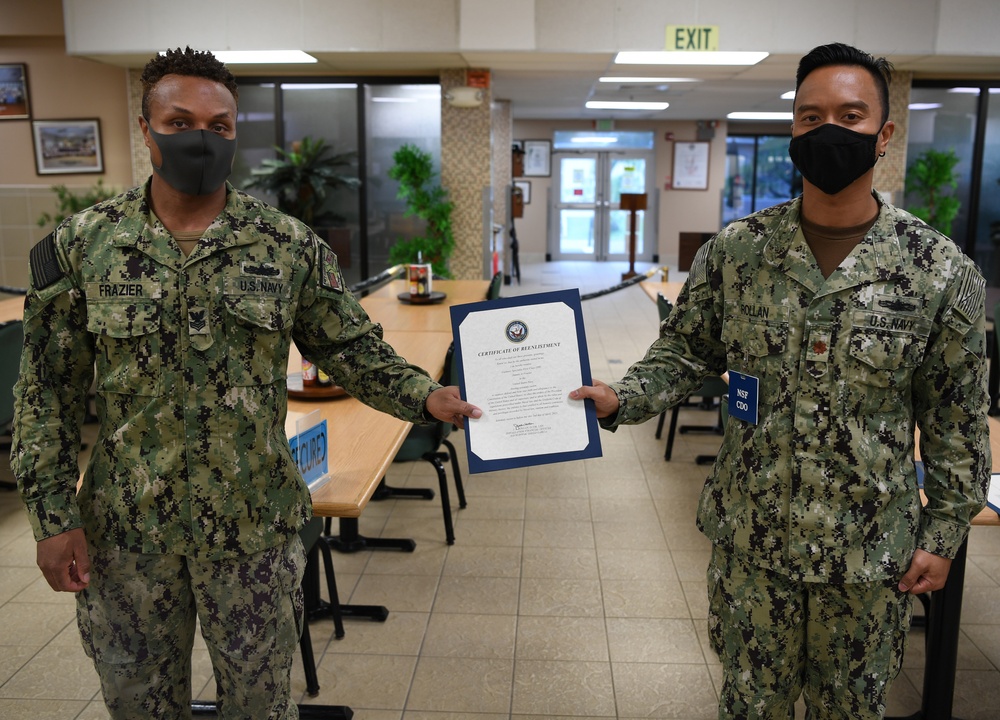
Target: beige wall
x=59 y=87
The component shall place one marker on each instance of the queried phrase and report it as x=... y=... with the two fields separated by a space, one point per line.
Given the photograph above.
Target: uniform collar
x=877 y=257
x=139 y=228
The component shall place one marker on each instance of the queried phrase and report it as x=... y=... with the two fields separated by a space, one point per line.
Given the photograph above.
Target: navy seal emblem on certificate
x=518 y=359
x=516 y=331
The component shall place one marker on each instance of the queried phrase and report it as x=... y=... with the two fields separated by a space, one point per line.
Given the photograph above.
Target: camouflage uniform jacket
x=191 y=352
x=823 y=487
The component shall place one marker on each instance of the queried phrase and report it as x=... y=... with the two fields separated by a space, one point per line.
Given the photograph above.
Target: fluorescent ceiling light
x=394 y=99
x=924 y=106
x=603 y=139
x=622 y=105
x=790 y=95
x=972 y=90
x=318 y=86
x=262 y=57
x=760 y=116
x=646 y=80
x=661 y=57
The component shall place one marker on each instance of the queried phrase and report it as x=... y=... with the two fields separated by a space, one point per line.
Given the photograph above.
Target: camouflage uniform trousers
x=137 y=622
x=839 y=645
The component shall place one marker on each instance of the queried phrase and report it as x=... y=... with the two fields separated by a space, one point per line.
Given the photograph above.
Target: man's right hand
x=64 y=561
x=605 y=401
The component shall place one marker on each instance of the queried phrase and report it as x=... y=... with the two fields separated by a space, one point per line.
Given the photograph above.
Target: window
x=759 y=174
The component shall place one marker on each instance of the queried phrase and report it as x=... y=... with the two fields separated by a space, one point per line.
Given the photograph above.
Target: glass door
x=588 y=222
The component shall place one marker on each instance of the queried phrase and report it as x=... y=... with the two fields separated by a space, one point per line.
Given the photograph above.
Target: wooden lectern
x=633 y=202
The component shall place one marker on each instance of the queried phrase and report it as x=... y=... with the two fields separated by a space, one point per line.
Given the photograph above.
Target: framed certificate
x=519 y=358
x=690 y=166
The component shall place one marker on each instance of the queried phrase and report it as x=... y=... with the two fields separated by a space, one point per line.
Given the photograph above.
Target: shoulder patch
x=970 y=301
x=699 y=267
x=44 y=264
x=329 y=270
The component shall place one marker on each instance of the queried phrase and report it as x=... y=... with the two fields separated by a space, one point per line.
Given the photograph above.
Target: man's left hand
x=927 y=572
x=447 y=405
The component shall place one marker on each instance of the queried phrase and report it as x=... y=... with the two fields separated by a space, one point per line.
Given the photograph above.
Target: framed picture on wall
x=537 y=158
x=525 y=187
x=14 y=103
x=64 y=147
x=690 y=165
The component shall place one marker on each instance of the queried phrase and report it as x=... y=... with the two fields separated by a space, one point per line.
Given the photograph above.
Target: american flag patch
x=971 y=299
x=330 y=271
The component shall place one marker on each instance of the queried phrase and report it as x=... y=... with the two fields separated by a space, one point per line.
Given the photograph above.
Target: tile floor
x=572 y=591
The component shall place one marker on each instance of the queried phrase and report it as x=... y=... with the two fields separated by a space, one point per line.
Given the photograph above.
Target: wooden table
x=12 y=308
x=385 y=308
x=670 y=290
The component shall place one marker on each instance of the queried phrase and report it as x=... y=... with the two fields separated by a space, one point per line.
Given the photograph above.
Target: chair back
x=11 y=342
x=493 y=291
x=996 y=331
x=663 y=306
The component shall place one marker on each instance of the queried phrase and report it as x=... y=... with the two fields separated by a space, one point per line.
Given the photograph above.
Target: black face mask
x=832 y=157
x=195 y=162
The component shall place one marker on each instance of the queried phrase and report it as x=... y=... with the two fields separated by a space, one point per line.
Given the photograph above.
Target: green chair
x=11 y=342
x=314 y=606
x=712 y=387
x=424 y=443
x=496 y=282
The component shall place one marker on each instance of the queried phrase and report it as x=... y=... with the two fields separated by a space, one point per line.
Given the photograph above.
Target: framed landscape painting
x=14 y=104
x=67 y=146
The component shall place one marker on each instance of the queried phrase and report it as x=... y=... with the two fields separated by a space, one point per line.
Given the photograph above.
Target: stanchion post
x=633 y=202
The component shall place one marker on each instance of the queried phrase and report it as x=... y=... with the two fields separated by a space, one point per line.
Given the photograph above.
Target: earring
x=882 y=154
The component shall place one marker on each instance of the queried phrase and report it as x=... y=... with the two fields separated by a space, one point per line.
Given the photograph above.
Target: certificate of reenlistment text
x=519 y=358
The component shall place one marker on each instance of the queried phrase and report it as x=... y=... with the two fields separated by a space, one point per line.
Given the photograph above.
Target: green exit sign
x=700 y=38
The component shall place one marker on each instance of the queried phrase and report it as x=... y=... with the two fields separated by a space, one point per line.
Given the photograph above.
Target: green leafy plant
x=932 y=178
x=414 y=171
x=72 y=202
x=301 y=179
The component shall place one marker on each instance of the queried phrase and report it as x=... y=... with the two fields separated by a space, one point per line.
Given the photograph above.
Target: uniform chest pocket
x=127 y=337
x=258 y=331
x=879 y=371
x=754 y=347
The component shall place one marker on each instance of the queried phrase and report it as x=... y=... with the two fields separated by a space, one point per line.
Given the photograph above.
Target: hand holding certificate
x=519 y=359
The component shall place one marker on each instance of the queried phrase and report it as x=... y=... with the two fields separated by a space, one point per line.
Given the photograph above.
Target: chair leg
x=670 y=433
x=331 y=587
x=437 y=460
x=308 y=660
x=459 y=488
x=659 y=424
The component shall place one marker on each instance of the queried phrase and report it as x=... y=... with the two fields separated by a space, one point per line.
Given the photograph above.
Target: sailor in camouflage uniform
x=844 y=324
x=186 y=294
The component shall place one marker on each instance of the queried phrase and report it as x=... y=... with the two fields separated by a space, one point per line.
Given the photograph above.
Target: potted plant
x=414 y=171
x=931 y=178
x=302 y=177
x=71 y=203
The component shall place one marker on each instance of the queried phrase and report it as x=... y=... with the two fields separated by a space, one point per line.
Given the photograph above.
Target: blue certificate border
x=571 y=298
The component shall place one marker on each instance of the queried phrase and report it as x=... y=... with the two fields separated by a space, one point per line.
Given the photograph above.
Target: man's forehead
x=191 y=89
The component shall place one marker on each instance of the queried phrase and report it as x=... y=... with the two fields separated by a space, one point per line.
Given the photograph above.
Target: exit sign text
x=699 y=38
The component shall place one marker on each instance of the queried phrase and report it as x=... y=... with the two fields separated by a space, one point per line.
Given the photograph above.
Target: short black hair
x=190 y=62
x=840 y=54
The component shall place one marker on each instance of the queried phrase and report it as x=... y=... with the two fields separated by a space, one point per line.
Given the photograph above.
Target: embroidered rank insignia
x=45 y=268
x=330 y=271
x=198 y=321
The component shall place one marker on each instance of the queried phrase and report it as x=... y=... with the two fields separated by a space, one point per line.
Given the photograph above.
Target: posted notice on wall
x=519 y=358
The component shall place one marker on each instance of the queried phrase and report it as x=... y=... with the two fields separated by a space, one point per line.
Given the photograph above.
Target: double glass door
x=588 y=223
